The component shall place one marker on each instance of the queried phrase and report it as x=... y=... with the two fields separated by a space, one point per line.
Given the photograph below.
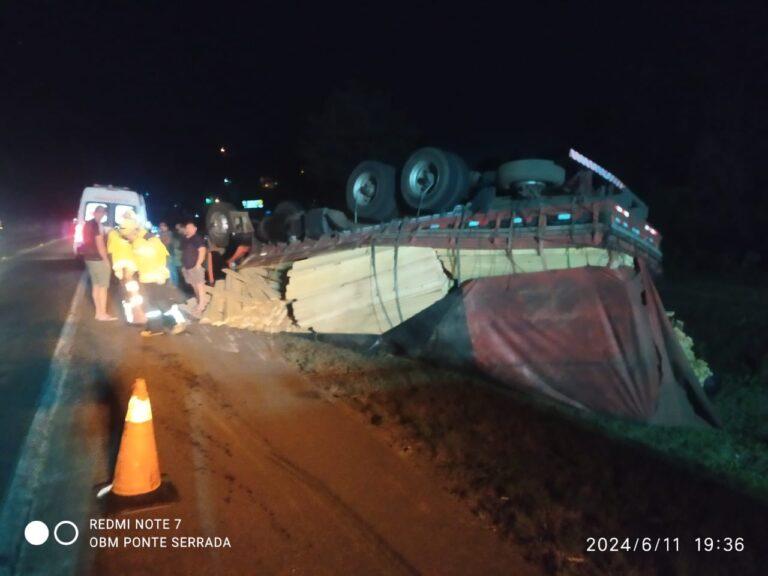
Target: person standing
x=193 y=254
x=97 y=263
x=178 y=235
x=171 y=244
x=220 y=259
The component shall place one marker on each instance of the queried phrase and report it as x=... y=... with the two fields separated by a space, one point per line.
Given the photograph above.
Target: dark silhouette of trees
x=355 y=124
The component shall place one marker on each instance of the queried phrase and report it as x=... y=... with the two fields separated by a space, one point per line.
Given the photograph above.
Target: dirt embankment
x=545 y=477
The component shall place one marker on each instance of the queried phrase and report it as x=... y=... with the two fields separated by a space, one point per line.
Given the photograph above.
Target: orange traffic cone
x=137 y=470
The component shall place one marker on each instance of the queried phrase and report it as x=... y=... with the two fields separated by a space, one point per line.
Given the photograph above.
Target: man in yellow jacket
x=136 y=260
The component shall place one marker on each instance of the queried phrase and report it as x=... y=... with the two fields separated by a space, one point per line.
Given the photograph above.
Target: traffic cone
x=138 y=469
x=137 y=483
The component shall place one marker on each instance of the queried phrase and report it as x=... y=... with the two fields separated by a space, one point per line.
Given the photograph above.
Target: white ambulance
x=116 y=199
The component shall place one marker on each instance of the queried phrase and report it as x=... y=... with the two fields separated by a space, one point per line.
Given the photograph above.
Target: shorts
x=99 y=271
x=194 y=275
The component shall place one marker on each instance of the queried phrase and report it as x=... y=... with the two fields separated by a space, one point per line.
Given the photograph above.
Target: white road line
x=19 y=500
x=29 y=249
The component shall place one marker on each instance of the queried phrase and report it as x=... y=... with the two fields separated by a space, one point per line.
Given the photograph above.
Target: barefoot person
x=192 y=257
x=97 y=263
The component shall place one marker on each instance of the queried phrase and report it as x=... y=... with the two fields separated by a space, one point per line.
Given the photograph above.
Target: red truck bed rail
x=557 y=222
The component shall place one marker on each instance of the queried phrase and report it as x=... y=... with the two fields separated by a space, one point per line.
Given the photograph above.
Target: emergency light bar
x=599 y=170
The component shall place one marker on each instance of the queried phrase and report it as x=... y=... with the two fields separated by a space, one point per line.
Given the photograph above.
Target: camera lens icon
x=37 y=533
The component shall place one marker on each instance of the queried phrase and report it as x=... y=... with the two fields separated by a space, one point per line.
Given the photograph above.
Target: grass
x=728 y=321
x=737 y=459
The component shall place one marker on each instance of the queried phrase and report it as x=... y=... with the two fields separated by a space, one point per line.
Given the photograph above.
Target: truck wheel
x=371 y=191
x=284 y=222
x=219 y=225
x=546 y=172
x=262 y=230
x=434 y=180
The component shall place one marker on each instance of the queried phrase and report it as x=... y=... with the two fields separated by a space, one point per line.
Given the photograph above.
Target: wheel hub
x=364 y=188
x=423 y=178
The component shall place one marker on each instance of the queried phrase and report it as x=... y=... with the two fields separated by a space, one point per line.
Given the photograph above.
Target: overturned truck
x=541 y=283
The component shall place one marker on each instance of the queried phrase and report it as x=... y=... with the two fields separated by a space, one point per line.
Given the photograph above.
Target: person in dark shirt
x=220 y=259
x=192 y=257
x=97 y=262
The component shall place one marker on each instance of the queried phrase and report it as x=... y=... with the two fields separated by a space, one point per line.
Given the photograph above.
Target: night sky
x=671 y=98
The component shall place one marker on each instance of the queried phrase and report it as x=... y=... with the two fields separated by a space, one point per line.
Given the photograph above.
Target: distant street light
x=227 y=181
x=223 y=150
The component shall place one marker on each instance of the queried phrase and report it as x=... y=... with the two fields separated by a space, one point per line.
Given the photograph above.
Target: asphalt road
x=36 y=287
x=24 y=236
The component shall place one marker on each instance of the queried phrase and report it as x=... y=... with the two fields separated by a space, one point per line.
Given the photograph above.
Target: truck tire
x=294 y=227
x=219 y=225
x=315 y=224
x=319 y=222
x=530 y=170
x=284 y=222
x=262 y=230
x=371 y=191
x=434 y=180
